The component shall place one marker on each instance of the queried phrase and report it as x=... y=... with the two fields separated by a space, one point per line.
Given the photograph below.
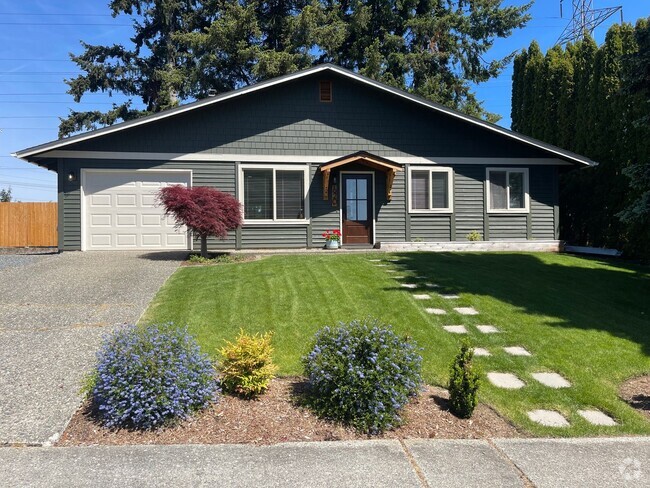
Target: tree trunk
x=204 y=246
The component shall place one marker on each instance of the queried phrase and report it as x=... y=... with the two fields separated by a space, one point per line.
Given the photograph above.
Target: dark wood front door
x=357 y=208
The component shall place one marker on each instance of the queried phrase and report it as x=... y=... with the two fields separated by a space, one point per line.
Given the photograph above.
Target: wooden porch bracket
x=390 y=177
x=326 y=184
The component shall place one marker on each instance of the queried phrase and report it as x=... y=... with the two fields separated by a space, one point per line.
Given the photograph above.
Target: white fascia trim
x=292 y=158
x=509 y=211
x=276 y=167
x=450 y=191
x=282 y=79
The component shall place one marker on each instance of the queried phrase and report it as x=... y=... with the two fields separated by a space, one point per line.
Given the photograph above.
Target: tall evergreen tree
x=183 y=49
x=152 y=69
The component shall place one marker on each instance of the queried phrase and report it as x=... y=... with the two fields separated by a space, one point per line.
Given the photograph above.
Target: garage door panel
x=152 y=240
x=151 y=220
x=100 y=220
x=127 y=220
x=101 y=240
x=125 y=200
x=121 y=210
x=100 y=200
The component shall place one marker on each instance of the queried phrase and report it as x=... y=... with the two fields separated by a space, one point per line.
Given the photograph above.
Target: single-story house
x=319 y=149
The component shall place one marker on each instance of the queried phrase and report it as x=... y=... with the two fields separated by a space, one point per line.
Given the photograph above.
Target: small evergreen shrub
x=247 y=366
x=464 y=382
x=362 y=374
x=149 y=375
x=474 y=236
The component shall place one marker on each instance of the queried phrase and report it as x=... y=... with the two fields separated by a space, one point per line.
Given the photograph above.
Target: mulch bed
x=275 y=417
x=636 y=392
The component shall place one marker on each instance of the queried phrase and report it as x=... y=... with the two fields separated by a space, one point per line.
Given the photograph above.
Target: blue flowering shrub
x=149 y=375
x=362 y=374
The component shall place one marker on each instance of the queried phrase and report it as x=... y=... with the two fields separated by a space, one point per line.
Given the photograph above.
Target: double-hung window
x=273 y=193
x=431 y=189
x=507 y=190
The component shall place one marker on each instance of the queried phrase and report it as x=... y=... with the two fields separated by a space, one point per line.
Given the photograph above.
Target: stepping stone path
x=436 y=311
x=400 y=277
x=391 y=271
x=466 y=310
x=596 y=417
x=548 y=418
x=552 y=380
x=517 y=351
x=449 y=297
x=375 y=260
x=487 y=329
x=455 y=329
x=479 y=351
x=381 y=265
x=409 y=285
x=505 y=380
x=431 y=285
x=421 y=297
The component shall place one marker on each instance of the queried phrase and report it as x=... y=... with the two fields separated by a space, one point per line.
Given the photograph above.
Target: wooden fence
x=28 y=224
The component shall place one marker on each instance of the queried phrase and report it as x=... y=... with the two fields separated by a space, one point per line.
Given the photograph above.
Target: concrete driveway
x=54 y=310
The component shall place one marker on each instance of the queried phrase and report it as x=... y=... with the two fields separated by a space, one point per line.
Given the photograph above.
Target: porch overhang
x=365 y=159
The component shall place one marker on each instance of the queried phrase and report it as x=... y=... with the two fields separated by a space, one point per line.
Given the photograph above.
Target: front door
x=357 y=208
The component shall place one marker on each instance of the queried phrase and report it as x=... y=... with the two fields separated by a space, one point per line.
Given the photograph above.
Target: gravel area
x=275 y=418
x=54 y=309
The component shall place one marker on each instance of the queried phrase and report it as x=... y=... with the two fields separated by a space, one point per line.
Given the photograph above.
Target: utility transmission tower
x=585 y=19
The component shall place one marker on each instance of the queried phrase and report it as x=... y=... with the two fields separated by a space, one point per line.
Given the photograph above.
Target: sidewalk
x=414 y=463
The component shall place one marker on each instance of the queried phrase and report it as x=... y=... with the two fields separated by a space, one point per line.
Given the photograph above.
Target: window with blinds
x=508 y=189
x=273 y=194
x=430 y=189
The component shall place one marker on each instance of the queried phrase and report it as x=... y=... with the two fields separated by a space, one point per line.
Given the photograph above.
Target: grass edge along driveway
x=587 y=319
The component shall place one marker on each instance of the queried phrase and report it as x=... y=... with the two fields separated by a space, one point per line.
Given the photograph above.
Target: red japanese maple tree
x=205 y=211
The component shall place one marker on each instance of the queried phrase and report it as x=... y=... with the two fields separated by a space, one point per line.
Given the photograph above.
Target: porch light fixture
x=72 y=176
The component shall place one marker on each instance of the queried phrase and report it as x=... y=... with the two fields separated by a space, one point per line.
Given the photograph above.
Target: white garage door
x=121 y=212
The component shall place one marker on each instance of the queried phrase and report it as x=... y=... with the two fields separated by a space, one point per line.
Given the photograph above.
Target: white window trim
x=275 y=167
x=526 y=208
x=450 y=190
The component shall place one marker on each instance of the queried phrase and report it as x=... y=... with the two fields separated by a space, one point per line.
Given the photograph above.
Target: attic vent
x=325 y=91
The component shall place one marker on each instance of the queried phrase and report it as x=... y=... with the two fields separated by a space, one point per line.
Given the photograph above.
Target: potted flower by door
x=332 y=239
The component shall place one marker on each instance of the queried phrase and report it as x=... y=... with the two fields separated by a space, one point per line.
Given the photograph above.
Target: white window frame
x=450 y=190
x=508 y=210
x=276 y=167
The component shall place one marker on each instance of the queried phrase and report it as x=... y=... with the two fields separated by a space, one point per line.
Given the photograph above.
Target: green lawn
x=587 y=319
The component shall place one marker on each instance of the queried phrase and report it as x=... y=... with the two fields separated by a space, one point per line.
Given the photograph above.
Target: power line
x=65 y=24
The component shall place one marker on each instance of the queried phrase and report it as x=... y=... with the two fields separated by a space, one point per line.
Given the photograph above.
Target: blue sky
x=36 y=37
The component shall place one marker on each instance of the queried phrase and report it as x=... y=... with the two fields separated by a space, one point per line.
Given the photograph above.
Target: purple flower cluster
x=149 y=375
x=362 y=374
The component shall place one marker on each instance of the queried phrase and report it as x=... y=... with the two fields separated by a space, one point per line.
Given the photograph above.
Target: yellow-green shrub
x=246 y=366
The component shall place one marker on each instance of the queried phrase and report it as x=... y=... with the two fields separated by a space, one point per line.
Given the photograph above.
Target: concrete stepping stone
x=393 y=260
x=436 y=311
x=548 y=418
x=448 y=297
x=399 y=277
x=381 y=265
x=391 y=271
x=487 y=329
x=505 y=380
x=596 y=417
x=431 y=285
x=409 y=285
x=517 y=351
x=552 y=380
x=375 y=260
x=455 y=329
x=420 y=277
x=479 y=351
x=466 y=310
x=422 y=296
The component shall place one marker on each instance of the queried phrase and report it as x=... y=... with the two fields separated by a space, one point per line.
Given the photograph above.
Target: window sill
x=442 y=211
x=522 y=211
x=266 y=223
